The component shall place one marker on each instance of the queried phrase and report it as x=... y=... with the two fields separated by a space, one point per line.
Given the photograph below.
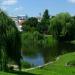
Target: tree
x=55 y=27
x=46 y=15
x=47 y=47
x=10 y=41
x=61 y=26
x=30 y=43
x=30 y=24
x=43 y=25
x=71 y=29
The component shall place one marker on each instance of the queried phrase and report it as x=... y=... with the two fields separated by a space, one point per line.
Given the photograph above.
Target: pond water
x=38 y=60
x=48 y=54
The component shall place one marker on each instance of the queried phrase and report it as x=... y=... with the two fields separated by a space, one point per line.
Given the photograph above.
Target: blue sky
x=34 y=7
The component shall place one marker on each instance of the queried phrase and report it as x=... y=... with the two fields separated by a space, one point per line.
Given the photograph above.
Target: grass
x=57 y=67
x=5 y=73
x=16 y=73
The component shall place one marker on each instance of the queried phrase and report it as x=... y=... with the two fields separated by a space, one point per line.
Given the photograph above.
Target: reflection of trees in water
x=49 y=53
x=46 y=45
x=66 y=47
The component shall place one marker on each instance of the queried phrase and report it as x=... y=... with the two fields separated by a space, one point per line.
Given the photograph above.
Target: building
x=19 y=20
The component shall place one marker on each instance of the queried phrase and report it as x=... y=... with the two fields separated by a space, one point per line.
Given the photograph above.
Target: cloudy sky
x=34 y=7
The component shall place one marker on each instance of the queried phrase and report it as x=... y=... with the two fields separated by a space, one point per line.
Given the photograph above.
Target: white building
x=19 y=20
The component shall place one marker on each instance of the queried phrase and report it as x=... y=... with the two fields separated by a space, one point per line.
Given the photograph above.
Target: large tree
x=44 y=24
x=30 y=43
x=30 y=24
x=46 y=15
x=10 y=41
x=62 y=26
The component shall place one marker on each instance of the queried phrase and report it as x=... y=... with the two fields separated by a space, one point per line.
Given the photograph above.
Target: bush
x=71 y=63
x=25 y=64
x=11 y=68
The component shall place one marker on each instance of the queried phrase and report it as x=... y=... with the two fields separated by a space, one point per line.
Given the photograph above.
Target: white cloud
x=9 y=2
x=72 y=1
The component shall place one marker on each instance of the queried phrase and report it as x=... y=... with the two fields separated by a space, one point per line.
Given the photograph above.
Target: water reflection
x=38 y=60
x=66 y=47
x=48 y=54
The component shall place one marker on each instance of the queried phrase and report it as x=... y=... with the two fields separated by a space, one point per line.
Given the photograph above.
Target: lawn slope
x=15 y=73
x=58 y=67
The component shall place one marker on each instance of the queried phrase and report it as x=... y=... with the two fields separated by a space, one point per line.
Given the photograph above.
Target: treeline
x=39 y=24
x=61 y=26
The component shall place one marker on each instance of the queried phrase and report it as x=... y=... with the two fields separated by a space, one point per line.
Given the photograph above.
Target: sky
x=35 y=7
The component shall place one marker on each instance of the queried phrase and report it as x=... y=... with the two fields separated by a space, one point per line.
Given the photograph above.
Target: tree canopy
x=30 y=24
x=62 y=26
x=10 y=41
x=44 y=24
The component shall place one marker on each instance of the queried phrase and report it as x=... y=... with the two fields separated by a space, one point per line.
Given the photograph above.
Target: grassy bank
x=58 y=67
x=15 y=73
x=4 y=73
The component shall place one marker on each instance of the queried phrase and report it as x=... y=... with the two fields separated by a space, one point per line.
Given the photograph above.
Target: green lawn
x=4 y=73
x=16 y=73
x=57 y=67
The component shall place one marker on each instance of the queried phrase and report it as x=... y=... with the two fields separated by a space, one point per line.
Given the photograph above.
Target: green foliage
x=55 y=27
x=62 y=26
x=30 y=42
x=48 y=48
x=48 y=41
x=10 y=41
x=43 y=25
x=26 y=64
x=30 y=24
x=71 y=63
x=46 y=15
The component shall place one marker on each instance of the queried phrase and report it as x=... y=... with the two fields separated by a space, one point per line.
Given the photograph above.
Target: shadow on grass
x=21 y=73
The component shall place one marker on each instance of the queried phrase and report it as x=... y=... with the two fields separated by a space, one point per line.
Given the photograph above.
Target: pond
x=38 y=60
x=49 y=54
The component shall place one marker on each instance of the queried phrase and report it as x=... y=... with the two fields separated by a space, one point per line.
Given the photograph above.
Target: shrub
x=25 y=64
x=71 y=63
